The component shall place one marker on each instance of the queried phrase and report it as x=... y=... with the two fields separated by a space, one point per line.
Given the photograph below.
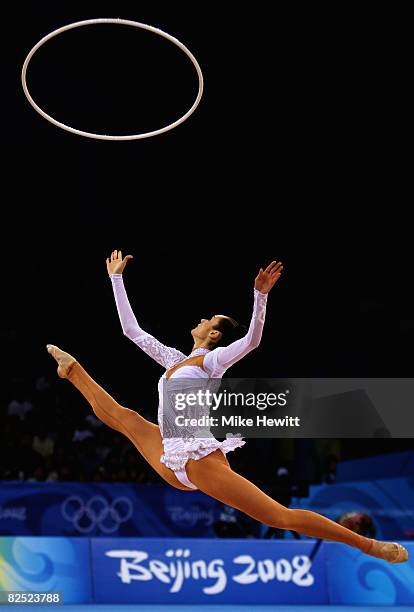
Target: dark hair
x=230 y=330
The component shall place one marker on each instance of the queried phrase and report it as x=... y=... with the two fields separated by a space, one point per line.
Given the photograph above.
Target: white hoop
x=135 y=24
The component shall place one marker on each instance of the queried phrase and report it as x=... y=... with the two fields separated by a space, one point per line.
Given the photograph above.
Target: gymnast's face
x=205 y=329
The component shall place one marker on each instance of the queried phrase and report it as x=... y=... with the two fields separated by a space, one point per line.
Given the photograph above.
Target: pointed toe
x=402 y=555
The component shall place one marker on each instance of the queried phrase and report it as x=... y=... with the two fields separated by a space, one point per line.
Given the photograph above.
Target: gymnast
x=201 y=463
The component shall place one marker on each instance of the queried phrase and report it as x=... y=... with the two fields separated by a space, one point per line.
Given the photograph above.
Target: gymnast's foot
x=389 y=551
x=65 y=361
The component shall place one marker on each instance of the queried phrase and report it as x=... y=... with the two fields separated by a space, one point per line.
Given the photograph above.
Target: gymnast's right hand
x=115 y=264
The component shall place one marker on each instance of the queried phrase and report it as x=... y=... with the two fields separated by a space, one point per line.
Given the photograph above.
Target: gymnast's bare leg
x=226 y=486
x=236 y=491
x=144 y=435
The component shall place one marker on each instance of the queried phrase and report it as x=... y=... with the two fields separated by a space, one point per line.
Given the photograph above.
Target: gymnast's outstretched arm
x=164 y=355
x=221 y=358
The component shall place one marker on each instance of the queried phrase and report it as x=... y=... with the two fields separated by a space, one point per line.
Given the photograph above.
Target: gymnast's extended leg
x=215 y=477
x=145 y=435
x=212 y=474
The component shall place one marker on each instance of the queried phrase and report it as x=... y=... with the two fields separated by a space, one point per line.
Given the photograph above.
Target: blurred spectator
x=42 y=384
x=305 y=460
x=25 y=456
x=102 y=447
x=82 y=434
x=38 y=473
x=331 y=466
x=227 y=525
x=232 y=523
x=134 y=475
x=119 y=447
x=77 y=446
x=50 y=469
x=93 y=421
x=328 y=452
x=67 y=472
x=360 y=522
x=135 y=466
x=100 y=474
x=64 y=444
x=45 y=397
x=88 y=459
x=42 y=442
x=120 y=475
x=7 y=445
x=19 y=407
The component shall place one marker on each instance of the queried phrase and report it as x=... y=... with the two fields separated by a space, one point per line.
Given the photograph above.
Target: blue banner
x=390 y=465
x=101 y=509
x=47 y=565
x=389 y=502
x=207 y=571
x=152 y=510
x=357 y=579
x=200 y=571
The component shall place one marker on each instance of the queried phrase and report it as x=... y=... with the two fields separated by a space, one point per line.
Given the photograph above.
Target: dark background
x=286 y=157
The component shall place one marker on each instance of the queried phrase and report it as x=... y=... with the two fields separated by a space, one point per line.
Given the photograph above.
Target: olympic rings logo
x=96 y=512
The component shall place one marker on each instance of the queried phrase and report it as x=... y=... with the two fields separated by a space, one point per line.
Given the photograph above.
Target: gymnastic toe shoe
x=389 y=551
x=64 y=360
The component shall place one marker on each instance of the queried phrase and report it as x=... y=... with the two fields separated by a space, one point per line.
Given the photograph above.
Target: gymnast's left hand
x=115 y=264
x=266 y=279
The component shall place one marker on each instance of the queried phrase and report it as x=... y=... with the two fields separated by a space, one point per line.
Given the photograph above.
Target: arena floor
x=229 y=608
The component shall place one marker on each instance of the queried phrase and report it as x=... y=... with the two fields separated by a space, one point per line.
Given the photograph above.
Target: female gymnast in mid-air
x=191 y=464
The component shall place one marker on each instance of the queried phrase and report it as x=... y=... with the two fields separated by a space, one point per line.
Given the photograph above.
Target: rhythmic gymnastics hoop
x=135 y=24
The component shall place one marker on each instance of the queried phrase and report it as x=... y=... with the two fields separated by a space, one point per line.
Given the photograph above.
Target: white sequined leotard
x=177 y=451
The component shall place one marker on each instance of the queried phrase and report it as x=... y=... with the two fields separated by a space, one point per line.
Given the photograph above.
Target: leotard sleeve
x=164 y=355
x=221 y=358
